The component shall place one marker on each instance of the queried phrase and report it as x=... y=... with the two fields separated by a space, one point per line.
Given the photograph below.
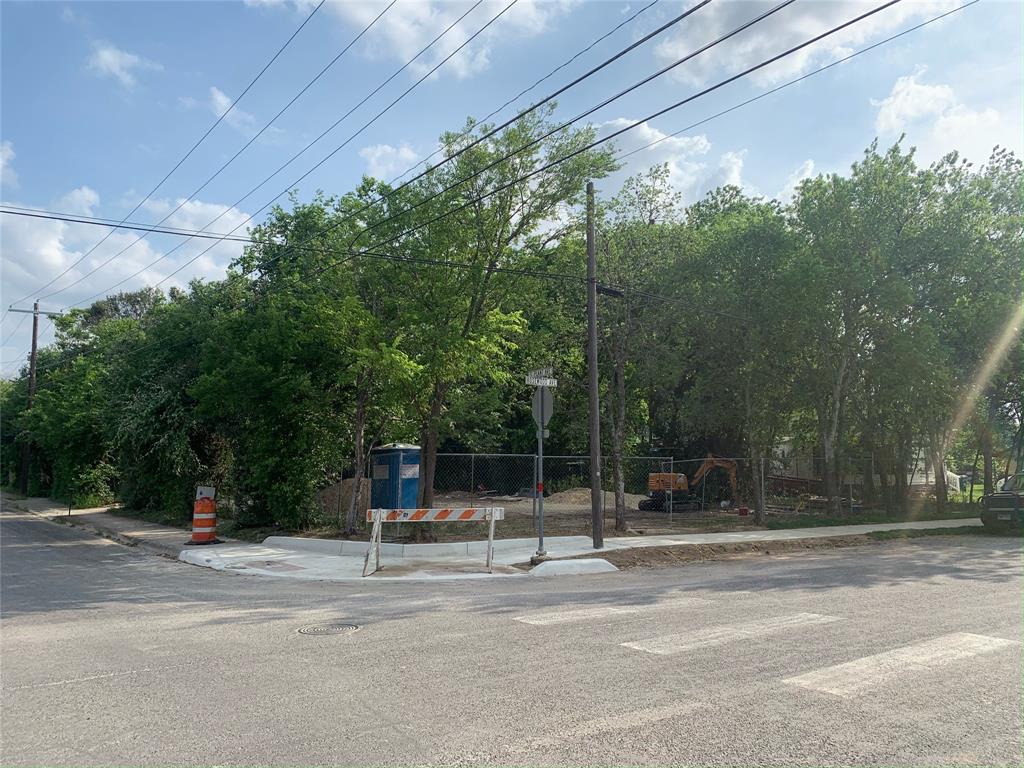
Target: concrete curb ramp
x=357 y=548
x=573 y=567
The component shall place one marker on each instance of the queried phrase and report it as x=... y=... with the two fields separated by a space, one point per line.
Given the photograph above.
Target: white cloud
x=937 y=122
x=805 y=170
x=8 y=177
x=237 y=118
x=36 y=250
x=682 y=153
x=687 y=158
x=81 y=201
x=777 y=33
x=911 y=100
x=109 y=61
x=406 y=29
x=730 y=171
x=384 y=161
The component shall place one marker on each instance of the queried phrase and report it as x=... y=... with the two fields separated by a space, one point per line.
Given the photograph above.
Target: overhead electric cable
x=186 y=156
x=14 y=333
x=540 y=273
x=548 y=98
x=129 y=225
x=324 y=133
x=185 y=200
x=526 y=90
x=625 y=129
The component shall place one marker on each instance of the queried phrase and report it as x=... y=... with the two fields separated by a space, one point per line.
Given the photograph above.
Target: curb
x=111 y=534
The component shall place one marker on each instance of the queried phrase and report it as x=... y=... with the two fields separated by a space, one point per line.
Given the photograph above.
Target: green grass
x=226 y=527
x=812 y=520
x=964 y=530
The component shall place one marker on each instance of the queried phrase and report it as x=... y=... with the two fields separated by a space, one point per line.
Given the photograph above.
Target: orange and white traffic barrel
x=204 y=517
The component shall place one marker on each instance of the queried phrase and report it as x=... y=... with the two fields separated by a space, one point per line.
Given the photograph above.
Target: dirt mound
x=661 y=557
x=581 y=496
x=570 y=496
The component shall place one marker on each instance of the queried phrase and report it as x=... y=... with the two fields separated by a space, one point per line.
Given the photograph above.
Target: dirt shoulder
x=681 y=554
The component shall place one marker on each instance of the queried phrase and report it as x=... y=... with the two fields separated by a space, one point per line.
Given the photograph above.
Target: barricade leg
x=374 y=546
x=490 y=543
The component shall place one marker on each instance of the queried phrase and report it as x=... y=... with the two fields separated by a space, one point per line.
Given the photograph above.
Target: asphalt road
x=897 y=654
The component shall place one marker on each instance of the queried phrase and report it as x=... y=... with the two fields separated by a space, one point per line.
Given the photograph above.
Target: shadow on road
x=48 y=569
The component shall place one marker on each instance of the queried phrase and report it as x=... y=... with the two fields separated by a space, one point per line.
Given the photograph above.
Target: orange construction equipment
x=204 y=517
x=663 y=486
x=667 y=481
x=710 y=463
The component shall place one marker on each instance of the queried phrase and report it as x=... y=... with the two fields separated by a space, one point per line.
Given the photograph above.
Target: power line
x=14 y=333
x=523 y=92
x=337 y=149
x=235 y=156
x=96 y=221
x=567 y=123
x=754 y=68
x=592 y=144
x=548 y=98
x=623 y=155
x=187 y=154
x=794 y=81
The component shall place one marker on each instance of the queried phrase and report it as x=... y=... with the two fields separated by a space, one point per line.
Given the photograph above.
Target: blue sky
x=99 y=100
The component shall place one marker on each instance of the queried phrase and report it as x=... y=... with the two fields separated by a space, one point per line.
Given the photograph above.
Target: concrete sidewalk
x=336 y=560
x=157 y=539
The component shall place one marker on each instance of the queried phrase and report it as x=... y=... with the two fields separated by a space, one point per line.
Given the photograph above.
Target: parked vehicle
x=1004 y=508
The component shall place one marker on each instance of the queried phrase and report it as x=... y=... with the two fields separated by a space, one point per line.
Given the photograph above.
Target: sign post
x=543 y=380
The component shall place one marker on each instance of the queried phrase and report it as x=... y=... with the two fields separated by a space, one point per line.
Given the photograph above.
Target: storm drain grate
x=329 y=628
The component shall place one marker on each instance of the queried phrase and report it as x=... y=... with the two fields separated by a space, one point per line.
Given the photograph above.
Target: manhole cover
x=329 y=628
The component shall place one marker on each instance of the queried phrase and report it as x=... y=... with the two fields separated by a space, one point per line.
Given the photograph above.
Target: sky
x=100 y=100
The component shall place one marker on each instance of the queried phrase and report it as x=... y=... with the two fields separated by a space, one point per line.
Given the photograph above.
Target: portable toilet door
x=395 y=472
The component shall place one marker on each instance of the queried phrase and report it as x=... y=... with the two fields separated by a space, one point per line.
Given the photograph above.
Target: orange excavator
x=662 y=486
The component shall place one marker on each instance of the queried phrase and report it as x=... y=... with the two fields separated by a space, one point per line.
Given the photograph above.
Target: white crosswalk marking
x=626 y=721
x=667 y=645
x=604 y=611
x=854 y=676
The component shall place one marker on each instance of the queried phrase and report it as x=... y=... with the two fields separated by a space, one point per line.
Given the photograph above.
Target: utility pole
x=594 y=417
x=25 y=454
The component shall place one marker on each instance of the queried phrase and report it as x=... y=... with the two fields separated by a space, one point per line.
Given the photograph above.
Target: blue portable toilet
x=395 y=473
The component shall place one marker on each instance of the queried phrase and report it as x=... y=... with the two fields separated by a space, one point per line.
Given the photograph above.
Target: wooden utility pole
x=594 y=418
x=26 y=457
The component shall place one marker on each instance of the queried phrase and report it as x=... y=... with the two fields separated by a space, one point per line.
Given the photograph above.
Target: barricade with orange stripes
x=465 y=514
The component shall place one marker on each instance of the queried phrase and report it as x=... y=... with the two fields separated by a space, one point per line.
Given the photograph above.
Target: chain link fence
x=654 y=495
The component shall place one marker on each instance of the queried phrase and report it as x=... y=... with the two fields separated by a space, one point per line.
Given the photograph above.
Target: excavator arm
x=712 y=462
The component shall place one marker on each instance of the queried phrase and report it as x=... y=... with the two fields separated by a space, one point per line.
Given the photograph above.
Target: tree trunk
x=828 y=450
x=884 y=473
x=358 y=437
x=867 y=472
x=828 y=411
x=900 y=462
x=941 y=489
x=974 y=477
x=986 y=452
x=756 y=461
x=428 y=449
x=618 y=440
